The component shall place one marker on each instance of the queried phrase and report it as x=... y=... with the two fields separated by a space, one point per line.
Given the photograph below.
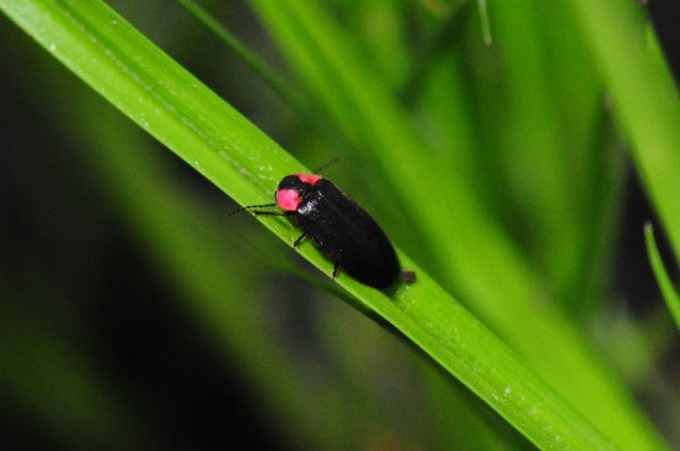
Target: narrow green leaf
x=665 y=284
x=484 y=19
x=277 y=83
x=644 y=96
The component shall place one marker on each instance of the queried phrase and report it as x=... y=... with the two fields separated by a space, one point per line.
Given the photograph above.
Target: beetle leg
x=297 y=242
x=335 y=271
x=269 y=213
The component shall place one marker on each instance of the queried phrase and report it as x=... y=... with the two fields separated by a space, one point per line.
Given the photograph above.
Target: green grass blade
x=277 y=83
x=667 y=290
x=484 y=20
x=165 y=100
x=644 y=97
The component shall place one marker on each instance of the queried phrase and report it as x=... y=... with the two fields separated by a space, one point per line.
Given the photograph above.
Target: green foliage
x=669 y=294
x=495 y=168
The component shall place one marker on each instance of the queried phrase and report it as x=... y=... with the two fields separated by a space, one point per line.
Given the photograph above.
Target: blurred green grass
x=503 y=178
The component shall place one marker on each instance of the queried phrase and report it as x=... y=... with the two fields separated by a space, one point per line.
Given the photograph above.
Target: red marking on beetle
x=288 y=199
x=309 y=178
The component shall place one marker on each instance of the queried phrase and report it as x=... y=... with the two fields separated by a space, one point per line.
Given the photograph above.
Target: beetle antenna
x=325 y=165
x=250 y=206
